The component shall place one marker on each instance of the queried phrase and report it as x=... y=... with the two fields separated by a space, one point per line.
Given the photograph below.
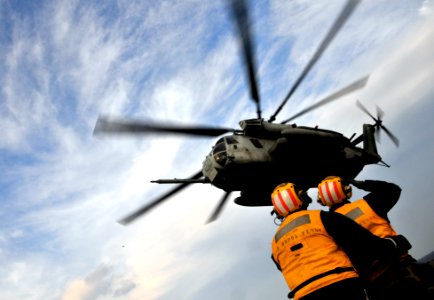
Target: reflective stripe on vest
x=354 y=213
x=364 y=215
x=291 y=225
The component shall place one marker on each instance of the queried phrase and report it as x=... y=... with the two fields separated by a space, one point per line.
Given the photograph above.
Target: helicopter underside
x=257 y=180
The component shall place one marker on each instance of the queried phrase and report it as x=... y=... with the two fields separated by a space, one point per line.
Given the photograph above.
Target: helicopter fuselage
x=264 y=155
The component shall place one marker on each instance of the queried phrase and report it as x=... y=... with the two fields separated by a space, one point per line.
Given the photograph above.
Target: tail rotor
x=379 y=123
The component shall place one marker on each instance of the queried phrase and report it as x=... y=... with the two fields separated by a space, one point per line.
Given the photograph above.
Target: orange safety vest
x=364 y=215
x=309 y=257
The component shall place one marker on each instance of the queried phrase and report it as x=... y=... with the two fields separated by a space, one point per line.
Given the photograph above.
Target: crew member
x=402 y=278
x=310 y=248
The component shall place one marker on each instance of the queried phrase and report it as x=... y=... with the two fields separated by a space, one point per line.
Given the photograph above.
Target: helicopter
x=262 y=154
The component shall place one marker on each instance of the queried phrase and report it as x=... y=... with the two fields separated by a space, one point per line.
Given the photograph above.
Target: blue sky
x=63 y=63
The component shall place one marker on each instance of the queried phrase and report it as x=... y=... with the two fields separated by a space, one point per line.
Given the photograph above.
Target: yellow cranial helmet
x=332 y=191
x=286 y=199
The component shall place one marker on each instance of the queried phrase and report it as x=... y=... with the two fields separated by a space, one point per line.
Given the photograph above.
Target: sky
x=64 y=63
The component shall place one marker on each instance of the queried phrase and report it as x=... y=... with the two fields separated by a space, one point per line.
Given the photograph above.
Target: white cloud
x=24 y=109
x=59 y=238
x=102 y=283
x=426 y=9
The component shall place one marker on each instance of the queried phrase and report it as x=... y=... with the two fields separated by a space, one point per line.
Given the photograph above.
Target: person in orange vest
x=402 y=278
x=311 y=248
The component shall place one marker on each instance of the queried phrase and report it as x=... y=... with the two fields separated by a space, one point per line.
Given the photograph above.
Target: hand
x=400 y=242
x=356 y=183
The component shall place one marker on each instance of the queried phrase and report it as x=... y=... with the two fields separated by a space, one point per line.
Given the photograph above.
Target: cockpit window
x=220 y=140
x=230 y=140
x=256 y=143
x=219 y=148
x=219 y=153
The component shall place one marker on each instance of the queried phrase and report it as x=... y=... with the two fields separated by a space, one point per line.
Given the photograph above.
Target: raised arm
x=382 y=197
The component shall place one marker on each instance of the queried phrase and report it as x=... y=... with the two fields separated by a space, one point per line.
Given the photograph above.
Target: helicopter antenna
x=344 y=15
x=241 y=18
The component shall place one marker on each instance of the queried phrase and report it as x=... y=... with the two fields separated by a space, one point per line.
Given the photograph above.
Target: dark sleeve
x=382 y=197
x=276 y=263
x=355 y=240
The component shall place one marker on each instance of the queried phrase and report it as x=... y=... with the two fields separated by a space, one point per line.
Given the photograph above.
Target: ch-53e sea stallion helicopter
x=263 y=154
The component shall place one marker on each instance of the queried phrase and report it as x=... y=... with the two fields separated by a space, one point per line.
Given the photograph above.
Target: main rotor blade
x=358 y=84
x=105 y=125
x=146 y=208
x=241 y=18
x=339 y=22
x=219 y=208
